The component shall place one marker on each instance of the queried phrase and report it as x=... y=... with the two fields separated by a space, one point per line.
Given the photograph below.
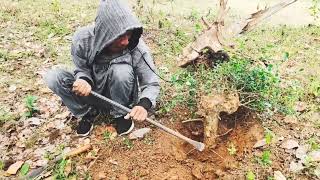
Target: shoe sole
x=130 y=129
x=86 y=134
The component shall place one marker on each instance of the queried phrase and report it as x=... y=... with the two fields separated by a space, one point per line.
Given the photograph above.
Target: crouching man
x=110 y=58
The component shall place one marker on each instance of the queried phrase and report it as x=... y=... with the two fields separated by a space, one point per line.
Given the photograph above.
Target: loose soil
x=162 y=156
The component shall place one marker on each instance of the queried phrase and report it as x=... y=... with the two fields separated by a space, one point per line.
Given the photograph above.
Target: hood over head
x=114 y=18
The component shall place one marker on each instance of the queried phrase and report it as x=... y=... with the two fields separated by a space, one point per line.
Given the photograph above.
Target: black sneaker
x=124 y=126
x=85 y=127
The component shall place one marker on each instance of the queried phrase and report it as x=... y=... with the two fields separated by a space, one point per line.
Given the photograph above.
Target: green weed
x=148 y=140
x=1 y=165
x=128 y=143
x=56 y=6
x=194 y=15
x=269 y=135
x=59 y=169
x=50 y=28
x=265 y=158
x=315 y=9
x=30 y=103
x=314 y=87
x=314 y=143
x=24 y=169
x=250 y=175
x=6 y=116
x=106 y=136
x=232 y=149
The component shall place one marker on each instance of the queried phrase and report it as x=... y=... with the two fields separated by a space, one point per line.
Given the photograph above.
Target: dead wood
x=218 y=35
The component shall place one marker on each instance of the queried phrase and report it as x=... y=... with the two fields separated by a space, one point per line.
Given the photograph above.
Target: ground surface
x=35 y=36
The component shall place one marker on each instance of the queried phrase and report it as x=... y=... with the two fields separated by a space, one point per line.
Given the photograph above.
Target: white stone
x=290 y=144
x=140 y=133
x=279 y=176
x=296 y=167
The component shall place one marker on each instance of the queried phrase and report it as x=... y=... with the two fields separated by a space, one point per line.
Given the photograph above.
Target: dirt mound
x=161 y=156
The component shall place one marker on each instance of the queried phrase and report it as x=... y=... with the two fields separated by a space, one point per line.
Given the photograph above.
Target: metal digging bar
x=198 y=145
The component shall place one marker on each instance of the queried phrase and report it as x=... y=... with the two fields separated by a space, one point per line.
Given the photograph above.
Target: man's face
x=120 y=43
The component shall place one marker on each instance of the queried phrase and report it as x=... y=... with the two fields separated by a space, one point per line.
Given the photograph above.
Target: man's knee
x=56 y=78
x=122 y=73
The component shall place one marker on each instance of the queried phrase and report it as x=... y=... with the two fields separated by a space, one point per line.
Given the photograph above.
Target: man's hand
x=81 y=87
x=138 y=113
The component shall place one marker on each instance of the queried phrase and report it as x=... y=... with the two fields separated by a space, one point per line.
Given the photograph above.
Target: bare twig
x=216 y=154
x=225 y=133
x=192 y=120
x=190 y=151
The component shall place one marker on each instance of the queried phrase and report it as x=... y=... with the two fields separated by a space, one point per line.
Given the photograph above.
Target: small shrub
x=265 y=158
x=30 y=103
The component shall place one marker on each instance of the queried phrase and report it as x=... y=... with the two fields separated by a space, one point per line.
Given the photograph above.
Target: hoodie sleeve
x=148 y=80
x=82 y=69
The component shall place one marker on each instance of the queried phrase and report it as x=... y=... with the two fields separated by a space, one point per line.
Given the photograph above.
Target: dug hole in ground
x=225 y=125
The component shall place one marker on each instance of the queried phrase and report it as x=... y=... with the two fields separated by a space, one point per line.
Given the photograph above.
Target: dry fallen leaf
x=34 y=121
x=102 y=175
x=279 y=176
x=63 y=115
x=296 y=167
x=260 y=143
x=290 y=144
x=14 y=167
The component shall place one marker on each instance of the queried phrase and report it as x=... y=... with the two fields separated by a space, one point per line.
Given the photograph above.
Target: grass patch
x=6 y=116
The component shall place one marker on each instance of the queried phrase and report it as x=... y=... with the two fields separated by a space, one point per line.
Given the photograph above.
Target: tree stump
x=210 y=108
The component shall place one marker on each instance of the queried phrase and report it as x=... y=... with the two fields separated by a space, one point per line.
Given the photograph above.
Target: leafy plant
x=250 y=175
x=59 y=169
x=313 y=143
x=30 y=103
x=232 y=149
x=269 y=136
x=128 y=143
x=24 y=169
x=198 y=28
x=265 y=158
x=107 y=135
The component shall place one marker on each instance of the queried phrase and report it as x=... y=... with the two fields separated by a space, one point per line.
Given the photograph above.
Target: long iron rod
x=198 y=145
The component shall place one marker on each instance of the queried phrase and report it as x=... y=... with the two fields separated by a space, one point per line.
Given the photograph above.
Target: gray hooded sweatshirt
x=114 y=19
